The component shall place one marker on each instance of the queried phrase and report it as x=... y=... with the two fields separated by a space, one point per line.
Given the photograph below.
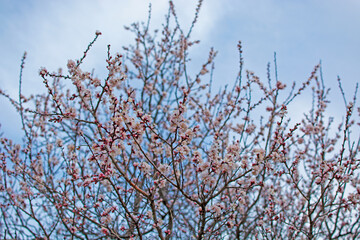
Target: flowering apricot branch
x=155 y=151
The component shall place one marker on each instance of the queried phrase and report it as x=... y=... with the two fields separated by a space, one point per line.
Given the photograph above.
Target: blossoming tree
x=155 y=152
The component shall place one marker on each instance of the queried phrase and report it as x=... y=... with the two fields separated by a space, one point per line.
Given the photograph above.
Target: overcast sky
x=302 y=32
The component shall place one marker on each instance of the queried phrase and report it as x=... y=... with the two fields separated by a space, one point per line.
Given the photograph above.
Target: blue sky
x=301 y=32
